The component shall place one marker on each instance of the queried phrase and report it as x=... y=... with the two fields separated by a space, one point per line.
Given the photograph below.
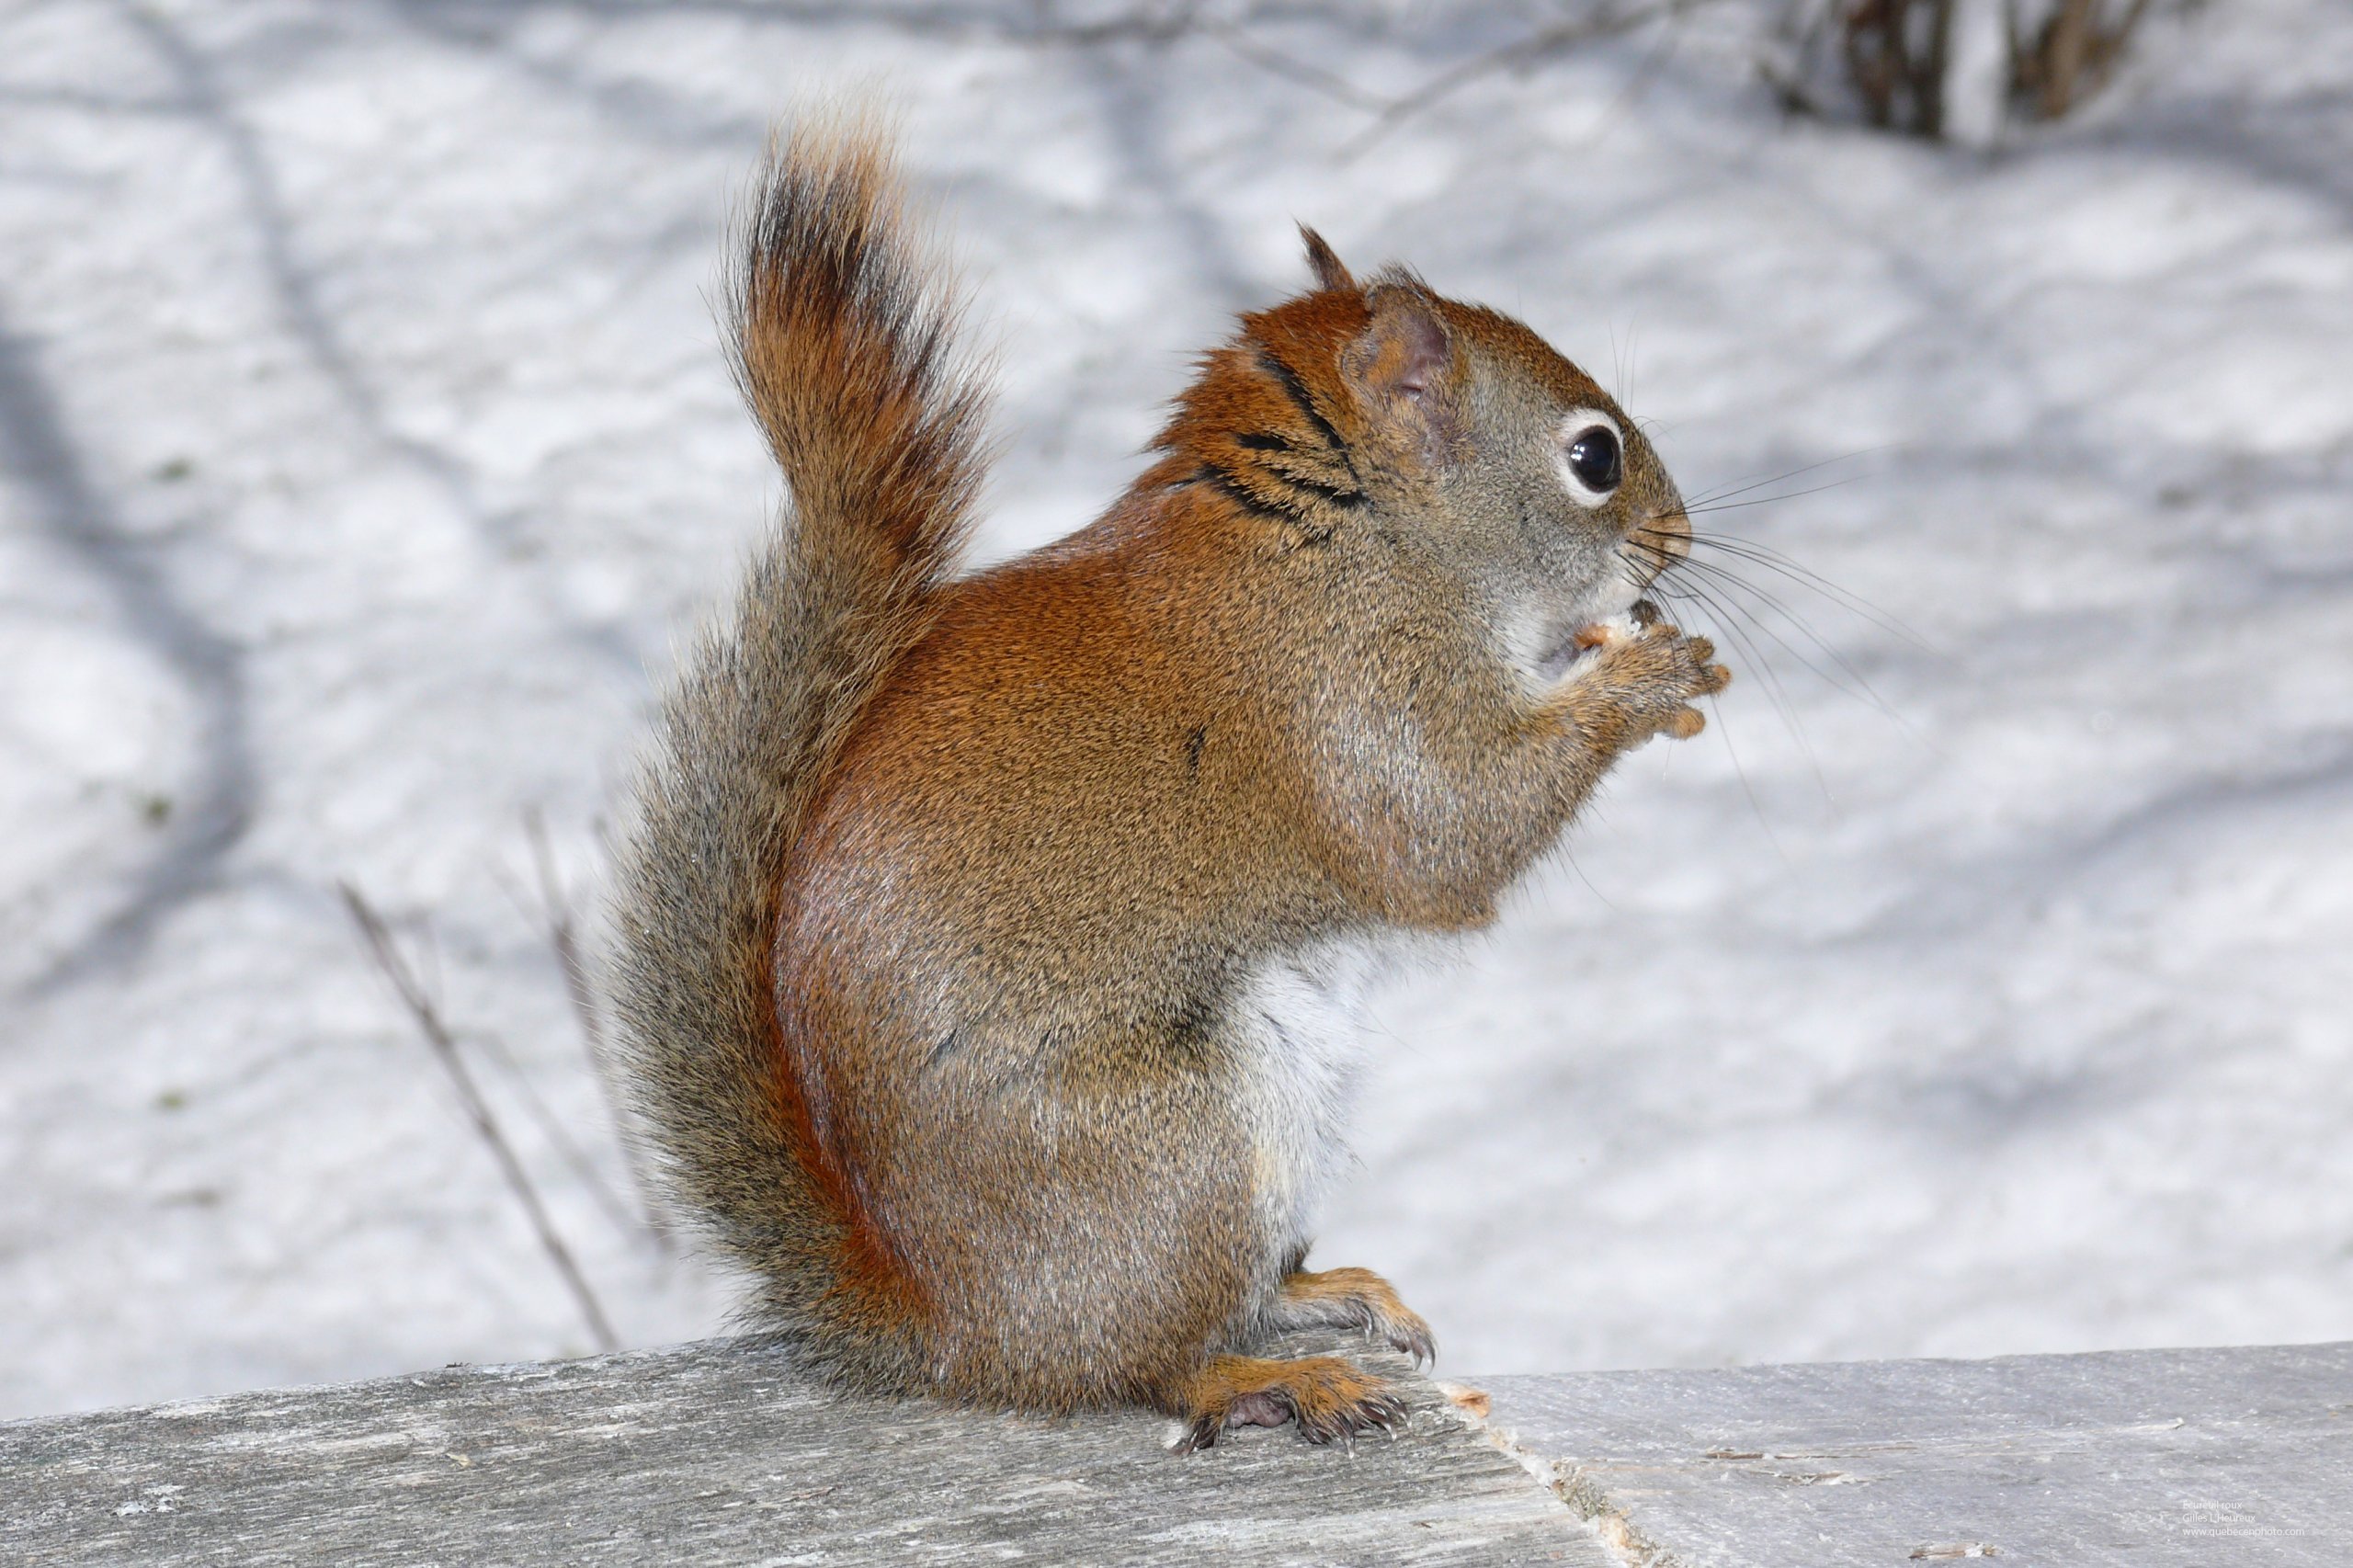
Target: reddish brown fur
x=940 y=932
x=1328 y=1397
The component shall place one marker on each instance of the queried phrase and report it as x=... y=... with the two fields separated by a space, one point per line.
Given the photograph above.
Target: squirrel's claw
x=1384 y=1412
x=1414 y=1337
x=1201 y=1434
x=1329 y=1398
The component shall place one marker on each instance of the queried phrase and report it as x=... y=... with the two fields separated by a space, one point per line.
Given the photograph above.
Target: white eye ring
x=1579 y=426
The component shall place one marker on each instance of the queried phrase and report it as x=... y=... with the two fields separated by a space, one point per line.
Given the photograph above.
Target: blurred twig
x=1518 y=56
x=551 y=1126
x=1898 y=53
x=1388 y=113
x=420 y=1005
x=557 y=910
x=1148 y=24
x=2068 y=57
x=1274 y=62
x=1893 y=60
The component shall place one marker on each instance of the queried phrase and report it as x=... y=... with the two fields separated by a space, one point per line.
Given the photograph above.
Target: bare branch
x=556 y=909
x=1149 y=24
x=1518 y=56
x=625 y=1220
x=2070 y=56
x=1339 y=90
x=414 y=996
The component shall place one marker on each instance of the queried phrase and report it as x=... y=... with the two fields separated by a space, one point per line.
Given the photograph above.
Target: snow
x=364 y=453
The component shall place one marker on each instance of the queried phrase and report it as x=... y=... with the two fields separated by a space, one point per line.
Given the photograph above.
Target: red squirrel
x=986 y=943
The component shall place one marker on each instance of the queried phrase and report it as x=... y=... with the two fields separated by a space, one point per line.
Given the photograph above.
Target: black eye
x=1593 y=459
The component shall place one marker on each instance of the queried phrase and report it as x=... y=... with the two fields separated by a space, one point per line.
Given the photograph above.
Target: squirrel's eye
x=1592 y=455
x=1593 y=458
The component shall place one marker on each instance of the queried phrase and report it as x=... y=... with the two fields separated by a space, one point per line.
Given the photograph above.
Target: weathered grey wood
x=2142 y=1459
x=717 y=1453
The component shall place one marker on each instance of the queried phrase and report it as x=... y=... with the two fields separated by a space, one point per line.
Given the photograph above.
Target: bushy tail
x=841 y=342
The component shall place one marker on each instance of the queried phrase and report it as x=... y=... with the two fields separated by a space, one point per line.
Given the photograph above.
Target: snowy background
x=1977 y=986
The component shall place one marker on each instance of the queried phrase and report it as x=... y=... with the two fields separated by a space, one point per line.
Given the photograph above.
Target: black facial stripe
x=1297 y=391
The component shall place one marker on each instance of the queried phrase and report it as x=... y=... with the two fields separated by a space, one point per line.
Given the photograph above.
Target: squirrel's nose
x=1666 y=536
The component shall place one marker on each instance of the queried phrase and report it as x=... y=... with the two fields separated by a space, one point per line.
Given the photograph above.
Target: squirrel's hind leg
x=1351 y=1297
x=1327 y=1396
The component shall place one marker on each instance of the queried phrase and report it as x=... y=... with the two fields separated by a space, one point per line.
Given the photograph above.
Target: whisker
x=1720 y=494
x=1774 y=561
x=1746 y=615
x=1693 y=511
x=1729 y=616
x=1853 y=604
x=1862 y=690
x=1725 y=579
x=1716 y=573
x=1766 y=556
x=1724 y=728
x=1568 y=855
x=1729 y=623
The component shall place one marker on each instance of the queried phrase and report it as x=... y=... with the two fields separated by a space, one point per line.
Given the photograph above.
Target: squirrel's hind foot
x=1327 y=1396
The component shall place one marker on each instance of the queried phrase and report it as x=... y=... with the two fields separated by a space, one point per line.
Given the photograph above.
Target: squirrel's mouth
x=1596 y=634
x=1605 y=611
x=1614 y=597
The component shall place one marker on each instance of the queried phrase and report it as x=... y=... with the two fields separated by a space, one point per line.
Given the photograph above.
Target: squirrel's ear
x=1401 y=366
x=1404 y=353
x=1323 y=262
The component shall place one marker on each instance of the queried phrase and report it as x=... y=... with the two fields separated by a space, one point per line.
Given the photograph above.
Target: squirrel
x=985 y=942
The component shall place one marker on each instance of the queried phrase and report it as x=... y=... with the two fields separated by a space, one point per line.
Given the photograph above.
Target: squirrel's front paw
x=1648 y=674
x=1353 y=1298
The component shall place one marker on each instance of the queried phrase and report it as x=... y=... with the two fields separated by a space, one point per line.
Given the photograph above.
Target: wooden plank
x=2140 y=1458
x=716 y=1453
